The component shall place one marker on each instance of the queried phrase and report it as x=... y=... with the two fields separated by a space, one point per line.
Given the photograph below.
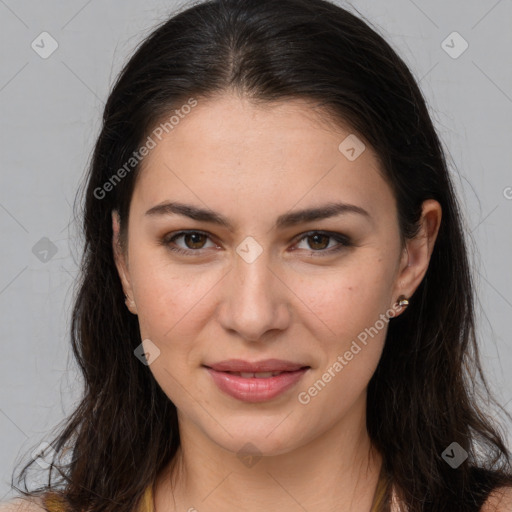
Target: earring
x=402 y=301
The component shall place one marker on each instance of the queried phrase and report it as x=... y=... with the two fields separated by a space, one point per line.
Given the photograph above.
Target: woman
x=276 y=307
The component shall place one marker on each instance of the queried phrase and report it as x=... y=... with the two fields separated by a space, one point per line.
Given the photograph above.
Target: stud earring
x=402 y=301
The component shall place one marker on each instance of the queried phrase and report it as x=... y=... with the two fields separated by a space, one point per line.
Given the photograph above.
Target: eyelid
x=343 y=241
x=166 y=240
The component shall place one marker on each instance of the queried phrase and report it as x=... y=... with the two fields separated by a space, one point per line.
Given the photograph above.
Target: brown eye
x=320 y=241
x=194 y=242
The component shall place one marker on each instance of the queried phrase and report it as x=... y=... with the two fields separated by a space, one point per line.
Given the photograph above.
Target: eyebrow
x=284 y=221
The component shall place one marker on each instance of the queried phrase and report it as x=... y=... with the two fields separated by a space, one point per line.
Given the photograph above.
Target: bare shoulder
x=23 y=505
x=500 y=500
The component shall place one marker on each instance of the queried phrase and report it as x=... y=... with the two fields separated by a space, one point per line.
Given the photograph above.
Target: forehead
x=231 y=125
x=231 y=149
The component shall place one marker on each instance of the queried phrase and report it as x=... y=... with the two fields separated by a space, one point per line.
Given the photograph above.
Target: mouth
x=255 y=386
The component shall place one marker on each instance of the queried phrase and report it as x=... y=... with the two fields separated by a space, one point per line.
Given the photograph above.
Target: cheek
x=347 y=301
x=171 y=299
x=351 y=341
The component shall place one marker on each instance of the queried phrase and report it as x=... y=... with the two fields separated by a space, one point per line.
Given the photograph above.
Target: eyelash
x=343 y=240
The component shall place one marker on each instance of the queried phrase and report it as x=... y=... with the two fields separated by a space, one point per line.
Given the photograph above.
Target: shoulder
x=500 y=500
x=23 y=505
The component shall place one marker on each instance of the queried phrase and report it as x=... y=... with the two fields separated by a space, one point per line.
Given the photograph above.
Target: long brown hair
x=428 y=390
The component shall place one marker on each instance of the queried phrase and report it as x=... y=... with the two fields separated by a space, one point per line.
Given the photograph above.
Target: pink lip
x=253 y=389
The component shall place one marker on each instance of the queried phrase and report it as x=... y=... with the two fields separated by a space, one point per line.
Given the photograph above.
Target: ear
x=417 y=252
x=121 y=262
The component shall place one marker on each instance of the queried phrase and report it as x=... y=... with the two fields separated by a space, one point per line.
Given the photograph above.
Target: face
x=300 y=290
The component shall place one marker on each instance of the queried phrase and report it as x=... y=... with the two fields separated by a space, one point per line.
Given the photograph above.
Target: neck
x=337 y=471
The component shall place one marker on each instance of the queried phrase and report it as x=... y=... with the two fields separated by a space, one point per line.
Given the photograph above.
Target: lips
x=255 y=382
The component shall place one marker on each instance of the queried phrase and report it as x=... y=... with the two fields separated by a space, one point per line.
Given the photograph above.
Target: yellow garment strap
x=54 y=503
x=380 y=492
x=147 y=501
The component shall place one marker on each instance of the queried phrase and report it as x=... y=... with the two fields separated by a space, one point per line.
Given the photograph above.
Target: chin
x=262 y=441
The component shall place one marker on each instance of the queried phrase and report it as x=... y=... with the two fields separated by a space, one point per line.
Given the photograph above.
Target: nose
x=255 y=300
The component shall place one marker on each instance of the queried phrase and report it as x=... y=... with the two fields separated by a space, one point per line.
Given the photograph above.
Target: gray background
x=50 y=116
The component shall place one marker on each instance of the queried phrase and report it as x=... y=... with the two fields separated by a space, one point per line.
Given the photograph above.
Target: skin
x=253 y=164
